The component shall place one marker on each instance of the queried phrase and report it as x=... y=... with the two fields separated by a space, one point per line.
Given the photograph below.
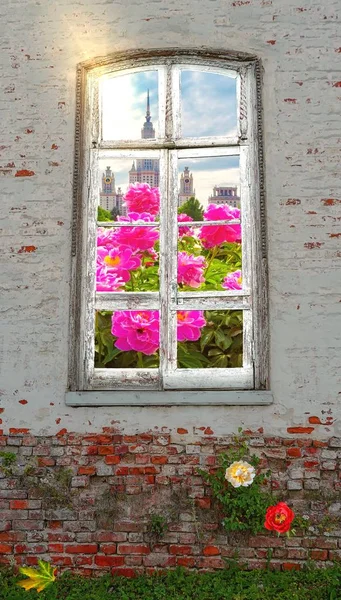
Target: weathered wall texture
x=299 y=44
x=41 y=43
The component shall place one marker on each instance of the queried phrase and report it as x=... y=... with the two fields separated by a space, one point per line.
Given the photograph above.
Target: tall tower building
x=225 y=194
x=148 y=131
x=186 y=187
x=109 y=197
x=146 y=170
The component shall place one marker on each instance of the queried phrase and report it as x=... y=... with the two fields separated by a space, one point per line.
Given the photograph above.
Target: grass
x=230 y=584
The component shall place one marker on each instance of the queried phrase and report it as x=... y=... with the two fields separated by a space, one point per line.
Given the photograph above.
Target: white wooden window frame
x=168 y=384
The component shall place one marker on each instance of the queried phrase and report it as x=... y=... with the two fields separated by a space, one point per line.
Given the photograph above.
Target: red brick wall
x=104 y=523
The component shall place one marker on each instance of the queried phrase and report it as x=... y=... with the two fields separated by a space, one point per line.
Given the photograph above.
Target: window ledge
x=169 y=398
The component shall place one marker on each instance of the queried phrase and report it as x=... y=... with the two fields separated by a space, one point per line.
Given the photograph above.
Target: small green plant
x=157 y=525
x=300 y=522
x=243 y=507
x=55 y=488
x=8 y=460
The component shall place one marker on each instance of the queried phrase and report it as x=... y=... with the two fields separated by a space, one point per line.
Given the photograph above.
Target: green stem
x=132 y=281
x=213 y=255
x=140 y=360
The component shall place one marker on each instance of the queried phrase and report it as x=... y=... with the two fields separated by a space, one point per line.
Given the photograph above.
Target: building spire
x=148 y=131
x=148 y=108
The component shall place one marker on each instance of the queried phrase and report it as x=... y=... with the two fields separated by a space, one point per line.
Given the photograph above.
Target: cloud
x=209 y=105
x=124 y=104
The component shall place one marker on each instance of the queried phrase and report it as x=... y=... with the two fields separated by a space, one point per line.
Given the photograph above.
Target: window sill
x=169 y=398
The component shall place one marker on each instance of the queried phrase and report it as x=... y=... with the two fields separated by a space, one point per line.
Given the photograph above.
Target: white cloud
x=124 y=106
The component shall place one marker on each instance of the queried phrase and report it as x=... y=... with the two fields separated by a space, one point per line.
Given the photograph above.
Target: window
x=169 y=298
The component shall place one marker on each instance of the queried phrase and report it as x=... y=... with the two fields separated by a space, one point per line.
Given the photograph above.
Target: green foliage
x=192 y=208
x=228 y=584
x=103 y=215
x=7 y=462
x=244 y=507
x=157 y=525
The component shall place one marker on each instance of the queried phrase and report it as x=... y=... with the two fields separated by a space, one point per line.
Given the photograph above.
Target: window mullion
x=172 y=259
x=90 y=209
x=163 y=260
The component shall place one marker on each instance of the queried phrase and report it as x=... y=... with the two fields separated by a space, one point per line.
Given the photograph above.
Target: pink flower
x=105 y=237
x=233 y=281
x=215 y=235
x=140 y=198
x=107 y=282
x=185 y=230
x=136 y=330
x=118 y=261
x=136 y=238
x=190 y=323
x=190 y=269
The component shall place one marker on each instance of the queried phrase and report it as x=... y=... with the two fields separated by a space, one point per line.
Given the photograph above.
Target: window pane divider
x=128 y=224
x=170 y=143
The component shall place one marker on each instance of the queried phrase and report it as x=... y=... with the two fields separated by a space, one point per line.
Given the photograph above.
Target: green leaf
x=206 y=337
x=223 y=341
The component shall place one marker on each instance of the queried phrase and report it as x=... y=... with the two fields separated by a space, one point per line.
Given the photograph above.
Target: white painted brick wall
x=300 y=46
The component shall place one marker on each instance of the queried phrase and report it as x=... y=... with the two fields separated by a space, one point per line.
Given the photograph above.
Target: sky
x=208 y=102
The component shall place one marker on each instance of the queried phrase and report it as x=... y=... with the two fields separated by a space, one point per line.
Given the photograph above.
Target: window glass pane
x=127 y=339
x=208 y=104
x=128 y=256
x=209 y=339
x=130 y=106
x=209 y=256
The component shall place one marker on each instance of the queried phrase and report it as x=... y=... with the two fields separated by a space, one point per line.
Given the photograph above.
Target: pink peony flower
x=105 y=237
x=233 y=281
x=140 y=198
x=136 y=238
x=190 y=323
x=190 y=269
x=215 y=235
x=108 y=282
x=185 y=230
x=136 y=330
x=118 y=261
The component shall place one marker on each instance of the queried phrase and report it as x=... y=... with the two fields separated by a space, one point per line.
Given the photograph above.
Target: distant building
x=186 y=187
x=109 y=197
x=225 y=194
x=146 y=170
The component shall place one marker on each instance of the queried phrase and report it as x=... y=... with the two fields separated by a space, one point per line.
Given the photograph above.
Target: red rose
x=279 y=518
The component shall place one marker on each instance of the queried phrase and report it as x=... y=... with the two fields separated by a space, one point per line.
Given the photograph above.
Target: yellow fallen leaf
x=38 y=578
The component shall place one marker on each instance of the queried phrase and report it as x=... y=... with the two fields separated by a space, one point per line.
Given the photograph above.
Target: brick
x=319 y=554
x=133 y=549
x=86 y=470
x=294 y=485
x=5 y=549
x=109 y=561
x=294 y=452
x=211 y=551
x=291 y=566
x=159 y=460
x=18 y=504
x=81 y=549
x=180 y=549
x=335 y=442
x=157 y=559
x=108 y=548
x=112 y=459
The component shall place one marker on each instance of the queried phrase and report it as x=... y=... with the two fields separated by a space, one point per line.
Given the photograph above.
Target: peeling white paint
x=41 y=44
